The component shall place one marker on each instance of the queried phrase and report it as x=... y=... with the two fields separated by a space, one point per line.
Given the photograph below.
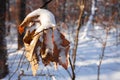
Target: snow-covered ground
x=88 y=57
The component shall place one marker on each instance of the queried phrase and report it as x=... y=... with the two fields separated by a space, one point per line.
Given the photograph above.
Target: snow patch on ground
x=88 y=53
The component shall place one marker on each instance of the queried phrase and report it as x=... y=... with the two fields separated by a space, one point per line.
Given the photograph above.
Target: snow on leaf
x=53 y=47
x=63 y=47
x=64 y=52
x=42 y=18
x=43 y=40
x=49 y=41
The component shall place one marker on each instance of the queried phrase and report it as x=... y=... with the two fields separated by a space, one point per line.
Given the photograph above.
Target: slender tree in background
x=3 y=50
x=21 y=8
x=64 y=14
x=8 y=16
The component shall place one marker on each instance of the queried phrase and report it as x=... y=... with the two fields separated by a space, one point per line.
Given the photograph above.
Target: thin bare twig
x=73 y=73
x=46 y=75
x=82 y=6
x=14 y=60
x=46 y=3
x=102 y=55
x=50 y=75
x=17 y=66
x=69 y=73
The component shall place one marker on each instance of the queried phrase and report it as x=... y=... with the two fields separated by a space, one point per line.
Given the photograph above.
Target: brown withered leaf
x=34 y=62
x=66 y=45
x=64 y=51
x=55 y=57
x=59 y=55
x=44 y=52
x=30 y=51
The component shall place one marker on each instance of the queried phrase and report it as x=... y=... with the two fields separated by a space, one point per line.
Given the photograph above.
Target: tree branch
x=17 y=66
x=45 y=4
x=104 y=44
x=81 y=6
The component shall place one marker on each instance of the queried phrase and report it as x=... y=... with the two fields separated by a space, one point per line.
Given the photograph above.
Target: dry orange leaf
x=21 y=29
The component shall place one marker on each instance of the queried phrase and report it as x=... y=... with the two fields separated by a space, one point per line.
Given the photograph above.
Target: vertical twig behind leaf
x=72 y=62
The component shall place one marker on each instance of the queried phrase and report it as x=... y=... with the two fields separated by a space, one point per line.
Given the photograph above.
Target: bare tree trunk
x=21 y=8
x=3 y=51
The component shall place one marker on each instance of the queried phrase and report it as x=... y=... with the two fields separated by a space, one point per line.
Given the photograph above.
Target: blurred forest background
x=107 y=14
